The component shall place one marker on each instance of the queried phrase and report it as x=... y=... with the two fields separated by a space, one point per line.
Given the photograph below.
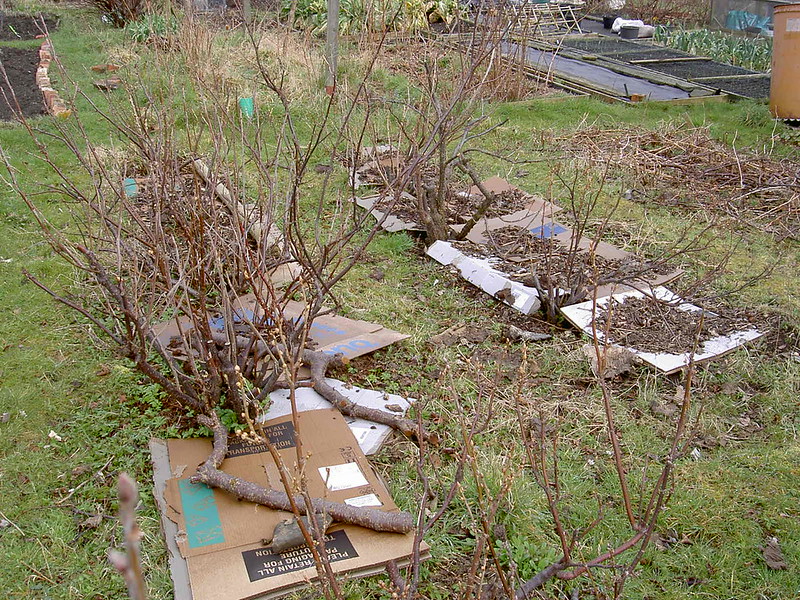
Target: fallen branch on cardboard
x=319 y=362
x=210 y=474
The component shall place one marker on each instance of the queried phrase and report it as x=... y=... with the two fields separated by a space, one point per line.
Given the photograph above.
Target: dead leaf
x=92 y=522
x=464 y=334
x=80 y=470
x=394 y=408
x=665 y=410
x=617 y=360
x=773 y=555
x=112 y=83
x=103 y=371
x=680 y=393
x=514 y=334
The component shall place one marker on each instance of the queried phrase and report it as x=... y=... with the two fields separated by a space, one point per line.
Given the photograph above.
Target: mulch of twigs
x=682 y=166
x=652 y=325
x=460 y=205
x=526 y=258
x=162 y=203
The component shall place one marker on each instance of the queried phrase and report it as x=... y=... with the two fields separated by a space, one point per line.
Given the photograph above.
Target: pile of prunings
x=680 y=165
x=546 y=264
x=652 y=325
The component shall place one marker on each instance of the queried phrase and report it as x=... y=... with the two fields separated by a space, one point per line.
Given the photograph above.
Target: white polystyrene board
x=481 y=273
x=370 y=435
x=581 y=315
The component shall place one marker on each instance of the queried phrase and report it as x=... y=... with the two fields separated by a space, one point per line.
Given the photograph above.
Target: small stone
x=5 y=417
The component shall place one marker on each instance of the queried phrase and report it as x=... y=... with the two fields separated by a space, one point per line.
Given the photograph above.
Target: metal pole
x=332 y=45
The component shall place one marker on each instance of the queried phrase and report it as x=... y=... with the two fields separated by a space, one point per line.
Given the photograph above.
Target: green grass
x=54 y=375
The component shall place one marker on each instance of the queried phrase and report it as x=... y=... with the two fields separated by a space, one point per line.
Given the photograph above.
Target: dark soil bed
x=24 y=27
x=750 y=87
x=655 y=53
x=650 y=325
x=20 y=65
x=601 y=45
x=526 y=258
x=697 y=68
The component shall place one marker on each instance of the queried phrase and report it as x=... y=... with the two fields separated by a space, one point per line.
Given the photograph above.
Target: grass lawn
x=78 y=415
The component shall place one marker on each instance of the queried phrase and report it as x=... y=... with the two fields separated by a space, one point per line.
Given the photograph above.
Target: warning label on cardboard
x=280 y=435
x=263 y=563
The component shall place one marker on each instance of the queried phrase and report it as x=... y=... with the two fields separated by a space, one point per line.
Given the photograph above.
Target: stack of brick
x=55 y=105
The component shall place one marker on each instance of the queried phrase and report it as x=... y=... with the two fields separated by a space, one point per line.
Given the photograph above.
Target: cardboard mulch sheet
x=219 y=545
x=521 y=255
x=660 y=328
x=331 y=334
x=508 y=202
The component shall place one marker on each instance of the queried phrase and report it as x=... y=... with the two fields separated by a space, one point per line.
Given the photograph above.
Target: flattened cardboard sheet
x=391 y=223
x=220 y=538
x=561 y=234
x=537 y=208
x=481 y=273
x=369 y=435
x=581 y=315
x=332 y=333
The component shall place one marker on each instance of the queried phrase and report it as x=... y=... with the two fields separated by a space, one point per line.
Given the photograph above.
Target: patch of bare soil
x=24 y=27
x=20 y=65
x=530 y=260
x=651 y=325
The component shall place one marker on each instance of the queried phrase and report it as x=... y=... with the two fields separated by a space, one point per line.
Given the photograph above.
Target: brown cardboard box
x=219 y=538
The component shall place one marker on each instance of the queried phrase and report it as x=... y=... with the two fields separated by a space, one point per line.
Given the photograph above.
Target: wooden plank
x=742 y=76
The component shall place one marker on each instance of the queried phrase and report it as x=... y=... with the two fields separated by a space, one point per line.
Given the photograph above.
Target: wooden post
x=332 y=45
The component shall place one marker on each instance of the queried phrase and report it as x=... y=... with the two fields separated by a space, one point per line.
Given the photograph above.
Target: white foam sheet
x=581 y=315
x=480 y=273
x=370 y=435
